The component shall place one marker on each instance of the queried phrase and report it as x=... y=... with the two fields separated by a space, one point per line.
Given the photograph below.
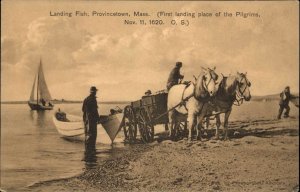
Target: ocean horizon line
x=59 y=101
x=66 y=102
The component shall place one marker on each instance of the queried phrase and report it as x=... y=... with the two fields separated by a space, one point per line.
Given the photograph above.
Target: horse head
x=206 y=83
x=243 y=86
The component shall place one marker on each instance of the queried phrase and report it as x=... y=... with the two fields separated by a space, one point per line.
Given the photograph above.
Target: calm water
x=32 y=150
x=259 y=110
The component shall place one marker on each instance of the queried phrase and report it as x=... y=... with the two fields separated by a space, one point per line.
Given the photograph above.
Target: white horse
x=234 y=88
x=197 y=95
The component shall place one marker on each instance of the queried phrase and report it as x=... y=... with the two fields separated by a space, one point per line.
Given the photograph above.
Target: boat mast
x=37 y=87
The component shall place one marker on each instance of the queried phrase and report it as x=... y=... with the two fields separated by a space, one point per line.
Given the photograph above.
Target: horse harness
x=239 y=93
x=205 y=85
x=184 y=100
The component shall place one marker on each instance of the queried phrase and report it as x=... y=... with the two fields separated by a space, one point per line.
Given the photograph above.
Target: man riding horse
x=190 y=101
x=174 y=76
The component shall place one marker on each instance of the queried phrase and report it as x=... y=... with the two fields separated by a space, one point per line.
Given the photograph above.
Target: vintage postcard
x=149 y=95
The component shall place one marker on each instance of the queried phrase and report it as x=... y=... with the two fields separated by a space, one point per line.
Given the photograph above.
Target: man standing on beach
x=285 y=97
x=90 y=119
x=174 y=76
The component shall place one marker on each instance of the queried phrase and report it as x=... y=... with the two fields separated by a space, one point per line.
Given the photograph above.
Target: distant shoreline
x=67 y=102
x=273 y=97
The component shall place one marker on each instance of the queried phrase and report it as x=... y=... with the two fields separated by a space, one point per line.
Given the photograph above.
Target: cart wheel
x=130 y=125
x=146 y=128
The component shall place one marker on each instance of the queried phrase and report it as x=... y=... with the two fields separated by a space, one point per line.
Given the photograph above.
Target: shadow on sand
x=264 y=128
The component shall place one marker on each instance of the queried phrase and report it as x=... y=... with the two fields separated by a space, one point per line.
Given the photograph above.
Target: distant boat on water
x=40 y=96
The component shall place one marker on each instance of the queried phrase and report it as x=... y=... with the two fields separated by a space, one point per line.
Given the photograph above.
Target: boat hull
x=73 y=129
x=38 y=107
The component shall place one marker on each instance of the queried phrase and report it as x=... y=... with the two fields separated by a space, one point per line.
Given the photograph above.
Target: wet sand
x=261 y=155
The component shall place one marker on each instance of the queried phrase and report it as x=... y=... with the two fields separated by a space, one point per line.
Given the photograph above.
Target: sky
x=123 y=61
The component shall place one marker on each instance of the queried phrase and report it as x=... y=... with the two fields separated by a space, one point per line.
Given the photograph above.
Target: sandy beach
x=261 y=155
x=146 y=58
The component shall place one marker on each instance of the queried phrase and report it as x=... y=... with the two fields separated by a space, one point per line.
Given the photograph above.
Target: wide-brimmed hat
x=148 y=92
x=178 y=64
x=93 y=89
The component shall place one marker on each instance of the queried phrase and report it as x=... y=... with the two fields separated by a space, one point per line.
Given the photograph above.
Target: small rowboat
x=72 y=127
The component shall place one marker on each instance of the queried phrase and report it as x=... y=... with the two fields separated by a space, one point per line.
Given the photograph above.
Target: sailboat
x=40 y=96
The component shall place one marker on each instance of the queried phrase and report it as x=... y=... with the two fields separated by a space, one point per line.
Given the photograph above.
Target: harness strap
x=178 y=105
x=238 y=101
x=240 y=95
x=183 y=101
x=206 y=84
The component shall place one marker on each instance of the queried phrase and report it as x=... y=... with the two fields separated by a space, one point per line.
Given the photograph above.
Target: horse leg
x=186 y=129
x=218 y=123
x=171 y=122
x=190 y=125
x=199 y=126
x=227 y=114
x=206 y=122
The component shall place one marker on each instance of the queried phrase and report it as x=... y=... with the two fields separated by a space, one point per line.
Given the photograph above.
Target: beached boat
x=40 y=90
x=72 y=127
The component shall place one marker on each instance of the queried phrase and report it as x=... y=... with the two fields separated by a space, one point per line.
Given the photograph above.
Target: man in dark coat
x=174 y=76
x=285 y=97
x=90 y=119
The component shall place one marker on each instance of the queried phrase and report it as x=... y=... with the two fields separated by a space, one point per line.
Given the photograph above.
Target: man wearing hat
x=148 y=93
x=285 y=97
x=174 y=76
x=90 y=119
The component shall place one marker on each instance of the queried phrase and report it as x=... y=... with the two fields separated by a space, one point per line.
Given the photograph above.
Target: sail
x=42 y=86
x=33 y=90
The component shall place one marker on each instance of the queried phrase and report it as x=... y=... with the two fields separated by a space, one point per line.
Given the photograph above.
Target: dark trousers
x=90 y=129
x=281 y=108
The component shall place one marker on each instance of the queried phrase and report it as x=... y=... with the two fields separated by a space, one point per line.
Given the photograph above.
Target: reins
x=240 y=94
x=206 y=85
x=184 y=100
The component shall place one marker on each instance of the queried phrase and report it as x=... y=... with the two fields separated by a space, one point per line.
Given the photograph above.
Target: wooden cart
x=142 y=115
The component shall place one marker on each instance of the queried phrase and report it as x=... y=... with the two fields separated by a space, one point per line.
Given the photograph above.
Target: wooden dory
x=73 y=128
